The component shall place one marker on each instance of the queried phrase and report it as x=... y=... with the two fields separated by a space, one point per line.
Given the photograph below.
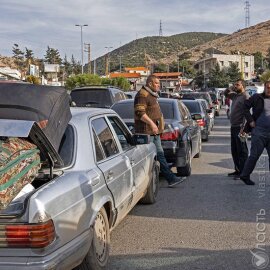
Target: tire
x=217 y=113
x=98 y=254
x=200 y=149
x=152 y=190
x=206 y=138
x=186 y=170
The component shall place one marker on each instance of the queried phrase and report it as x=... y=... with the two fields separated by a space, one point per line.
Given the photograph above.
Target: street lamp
x=108 y=60
x=81 y=25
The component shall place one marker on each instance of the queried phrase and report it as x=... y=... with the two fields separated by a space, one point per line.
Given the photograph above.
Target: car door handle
x=110 y=175
x=132 y=162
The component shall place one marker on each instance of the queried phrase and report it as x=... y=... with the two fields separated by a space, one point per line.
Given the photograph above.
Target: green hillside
x=155 y=49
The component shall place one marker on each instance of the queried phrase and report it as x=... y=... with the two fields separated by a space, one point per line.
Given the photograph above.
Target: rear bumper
x=175 y=154
x=64 y=258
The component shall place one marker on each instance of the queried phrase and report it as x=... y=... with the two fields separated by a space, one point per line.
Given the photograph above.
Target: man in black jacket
x=259 y=123
x=239 y=148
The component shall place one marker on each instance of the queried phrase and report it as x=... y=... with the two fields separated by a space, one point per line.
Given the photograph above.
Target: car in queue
x=208 y=111
x=181 y=139
x=81 y=193
x=216 y=102
x=199 y=115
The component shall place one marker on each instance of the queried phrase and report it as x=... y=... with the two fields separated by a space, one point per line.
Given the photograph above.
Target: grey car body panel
x=75 y=195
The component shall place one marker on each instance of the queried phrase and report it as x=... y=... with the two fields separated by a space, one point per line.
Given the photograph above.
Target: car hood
x=25 y=129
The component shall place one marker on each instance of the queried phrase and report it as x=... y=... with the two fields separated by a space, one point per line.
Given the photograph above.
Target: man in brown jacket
x=149 y=120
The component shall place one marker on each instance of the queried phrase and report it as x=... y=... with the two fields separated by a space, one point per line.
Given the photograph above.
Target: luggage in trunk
x=46 y=105
x=19 y=165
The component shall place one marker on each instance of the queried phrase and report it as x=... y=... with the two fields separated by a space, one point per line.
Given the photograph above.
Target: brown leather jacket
x=146 y=102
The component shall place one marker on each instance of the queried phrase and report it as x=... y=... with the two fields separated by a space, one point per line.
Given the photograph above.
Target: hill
x=155 y=49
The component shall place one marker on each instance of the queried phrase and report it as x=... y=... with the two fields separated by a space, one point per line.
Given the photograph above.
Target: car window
x=99 y=154
x=122 y=133
x=105 y=136
x=193 y=107
x=182 y=111
x=125 y=110
x=187 y=113
x=92 y=98
x=66 y=148
x=167 y=110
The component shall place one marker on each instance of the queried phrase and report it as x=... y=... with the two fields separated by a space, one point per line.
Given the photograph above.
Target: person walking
x=239 y=148
x=259 y=124
x=149 y=120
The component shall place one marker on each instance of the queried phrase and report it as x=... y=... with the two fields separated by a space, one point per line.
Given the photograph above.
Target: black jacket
x=256 y=103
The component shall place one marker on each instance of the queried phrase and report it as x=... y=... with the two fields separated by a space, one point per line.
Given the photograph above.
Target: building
x=213 y=56
x=7 y=73
x=143 y=71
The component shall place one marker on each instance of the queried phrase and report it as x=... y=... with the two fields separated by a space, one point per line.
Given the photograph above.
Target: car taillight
x=170 y=134
x=201 y=122
x=37 y=235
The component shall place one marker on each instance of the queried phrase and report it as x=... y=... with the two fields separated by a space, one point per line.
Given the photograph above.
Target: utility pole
x=81 y=26
x=107 y=69
x=87 y=49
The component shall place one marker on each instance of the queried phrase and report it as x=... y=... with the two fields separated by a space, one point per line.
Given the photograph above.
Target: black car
x=181 y=139
x=204 y=95
x=200 y=115
x=97 y=96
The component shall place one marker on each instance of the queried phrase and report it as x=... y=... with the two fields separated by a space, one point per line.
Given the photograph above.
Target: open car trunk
x=50 y=159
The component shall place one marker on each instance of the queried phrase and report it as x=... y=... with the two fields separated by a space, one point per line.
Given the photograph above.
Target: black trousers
x=239 y=150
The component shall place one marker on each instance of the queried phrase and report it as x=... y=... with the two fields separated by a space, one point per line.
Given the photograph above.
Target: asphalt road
x=208 y=222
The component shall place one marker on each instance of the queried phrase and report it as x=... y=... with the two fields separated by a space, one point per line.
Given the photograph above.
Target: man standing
x=259 y=123
x=149 y=120
x=239 y=148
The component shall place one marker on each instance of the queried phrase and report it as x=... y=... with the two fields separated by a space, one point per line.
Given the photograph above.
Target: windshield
x=125 y=110
x=193 y=107
x=92 y=98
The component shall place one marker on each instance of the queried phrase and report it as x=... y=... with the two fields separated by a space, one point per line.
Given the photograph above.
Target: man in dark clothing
x=259 y=123
x=149 y=120
x=239 y=148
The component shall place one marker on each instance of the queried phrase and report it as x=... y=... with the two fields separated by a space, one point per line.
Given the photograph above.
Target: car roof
x=105 y=87
x=80 y=111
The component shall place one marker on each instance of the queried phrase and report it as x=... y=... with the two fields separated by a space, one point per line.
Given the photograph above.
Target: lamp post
x=108 y=60
x=81 y=25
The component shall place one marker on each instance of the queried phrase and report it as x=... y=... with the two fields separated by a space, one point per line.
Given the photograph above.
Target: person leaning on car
x=239 y=148
x=259 y=124
x=149 y=120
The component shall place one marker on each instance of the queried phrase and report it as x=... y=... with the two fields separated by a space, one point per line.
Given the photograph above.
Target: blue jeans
x=260 y=139
x=164 y=167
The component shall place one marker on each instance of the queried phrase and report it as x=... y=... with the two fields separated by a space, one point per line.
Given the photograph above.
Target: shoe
x=234 y=174
x=176 y=181
x=247 y=180
x=237 y=177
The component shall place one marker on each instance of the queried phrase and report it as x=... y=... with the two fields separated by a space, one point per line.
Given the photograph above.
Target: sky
x=37 y=24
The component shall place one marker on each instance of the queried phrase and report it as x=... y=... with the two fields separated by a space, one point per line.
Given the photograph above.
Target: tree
x=18 y=55
x=66 y=68
x=29 y=56
x=218 y=77
x=33 y=79
x=265 y=76
x=75 y=66
x=258 y=62
x=199 y=79
x=52 y=56
x=268 y=58
x=233 y=72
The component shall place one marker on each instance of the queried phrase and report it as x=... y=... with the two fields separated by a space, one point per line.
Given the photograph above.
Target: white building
x=245 y=63
x=10 y=73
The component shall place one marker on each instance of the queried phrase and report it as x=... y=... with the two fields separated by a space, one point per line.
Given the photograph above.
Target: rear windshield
x=125 y=110
x=92 y=98
x=198 y=95
x=167 y=110
x=193 y=107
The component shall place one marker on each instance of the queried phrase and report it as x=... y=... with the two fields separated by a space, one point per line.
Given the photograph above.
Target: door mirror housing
x=138 y=139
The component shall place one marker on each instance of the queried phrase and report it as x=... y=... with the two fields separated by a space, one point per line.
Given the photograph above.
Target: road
x=208 y=222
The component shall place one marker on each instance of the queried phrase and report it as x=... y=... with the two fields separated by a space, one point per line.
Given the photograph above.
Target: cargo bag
x=19 y=165
x=47 y=105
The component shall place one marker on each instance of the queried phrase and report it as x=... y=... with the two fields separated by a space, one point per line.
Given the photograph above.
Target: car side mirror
x=196 y=116
x=138 y=139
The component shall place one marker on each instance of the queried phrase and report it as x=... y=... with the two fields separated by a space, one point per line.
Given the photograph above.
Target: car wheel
x=206 y=138
x=98 y=254
x=186 y=170
x=199 y=149
x=152 y=189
